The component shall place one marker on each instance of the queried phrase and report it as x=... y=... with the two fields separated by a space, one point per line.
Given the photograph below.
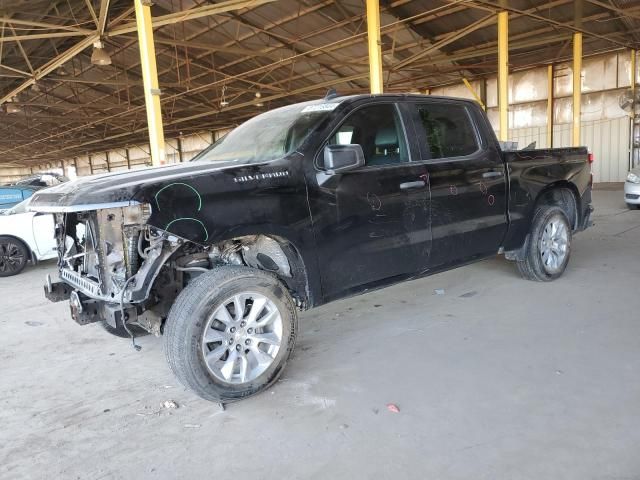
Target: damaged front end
x=109 y=260
x=115 y=267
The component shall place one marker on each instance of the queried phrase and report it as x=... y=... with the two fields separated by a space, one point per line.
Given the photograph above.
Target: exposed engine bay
x=115 y=267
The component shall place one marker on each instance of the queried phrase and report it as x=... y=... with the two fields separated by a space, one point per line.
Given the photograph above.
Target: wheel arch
x=30 y=252
x=299 y=269
x=564 y=194
x=299 y=282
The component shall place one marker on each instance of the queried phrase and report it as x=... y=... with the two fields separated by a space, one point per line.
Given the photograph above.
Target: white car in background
x=24 y=236
x=632 y=189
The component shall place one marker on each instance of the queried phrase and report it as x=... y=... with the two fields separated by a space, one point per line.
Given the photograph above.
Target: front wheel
x=548 y=246
x=230 y=333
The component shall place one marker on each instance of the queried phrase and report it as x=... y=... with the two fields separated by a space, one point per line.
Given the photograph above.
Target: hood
x=117 y=189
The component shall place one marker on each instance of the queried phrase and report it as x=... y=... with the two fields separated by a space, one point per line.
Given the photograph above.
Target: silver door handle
x=492 y=174
x=410 y=185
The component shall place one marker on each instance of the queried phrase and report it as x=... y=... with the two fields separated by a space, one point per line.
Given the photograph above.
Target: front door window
x=378 y=130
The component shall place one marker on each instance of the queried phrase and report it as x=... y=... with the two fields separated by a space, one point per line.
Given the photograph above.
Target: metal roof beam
x=193 y=13
x=493 y=7
x=286 y=61
x=50 y=66
x=616 y=9
x=24 y=54
x=40 y=36
x=454 y=36
x=92 y=12
x=52 y=26
x=21 y=72
x=54 y=63
x=210 y=48
x=102 y=19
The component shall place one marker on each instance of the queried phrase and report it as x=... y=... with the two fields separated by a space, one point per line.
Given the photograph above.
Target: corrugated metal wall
x=607 y=139
x=609 y=142
x=525 y=136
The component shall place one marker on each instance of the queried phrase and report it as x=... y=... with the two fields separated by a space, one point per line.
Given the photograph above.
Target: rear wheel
x=548 y=246
x=230 y=333
x=13 y=256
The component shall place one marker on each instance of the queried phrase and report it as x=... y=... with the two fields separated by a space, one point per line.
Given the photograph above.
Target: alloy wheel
x=554 y=244
x=242 y=338
x=11 y=257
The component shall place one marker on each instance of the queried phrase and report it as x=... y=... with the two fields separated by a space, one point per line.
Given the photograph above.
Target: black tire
x=188 y=322
x=532 y=267
x=14 y=256
x=119 y=331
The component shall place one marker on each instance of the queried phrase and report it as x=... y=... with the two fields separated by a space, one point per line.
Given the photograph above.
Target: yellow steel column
x=577 y=87
x=550 y=106
x=375 y=52
x=150 y=82
x=503 y=74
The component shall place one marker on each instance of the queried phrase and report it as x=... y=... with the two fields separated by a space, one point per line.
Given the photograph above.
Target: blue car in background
x=13 y=194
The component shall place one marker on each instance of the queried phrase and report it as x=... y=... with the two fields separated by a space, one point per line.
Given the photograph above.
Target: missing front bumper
x=86 y=310
x=56 y=291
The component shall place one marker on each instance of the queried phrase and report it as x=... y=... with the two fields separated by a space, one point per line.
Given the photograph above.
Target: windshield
x=270 y=135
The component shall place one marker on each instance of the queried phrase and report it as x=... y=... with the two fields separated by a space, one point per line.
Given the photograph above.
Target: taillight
x=590 y=157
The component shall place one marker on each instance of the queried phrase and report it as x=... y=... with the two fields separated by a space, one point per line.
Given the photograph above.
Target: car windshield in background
x=270 y=135
x=19 y=208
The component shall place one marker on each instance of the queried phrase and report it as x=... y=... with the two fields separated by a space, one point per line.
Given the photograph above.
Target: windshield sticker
x=321 y=107
x=261 y=176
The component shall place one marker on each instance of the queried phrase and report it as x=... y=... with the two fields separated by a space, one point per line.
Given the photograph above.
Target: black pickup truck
x=297 y=207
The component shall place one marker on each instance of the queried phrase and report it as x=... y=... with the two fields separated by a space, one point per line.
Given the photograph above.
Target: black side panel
x=531 y=172
x=372 y=223
x=206 y=208
x=468 y=195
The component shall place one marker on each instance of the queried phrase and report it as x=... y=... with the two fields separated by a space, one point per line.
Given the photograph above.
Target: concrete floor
x=499 y=378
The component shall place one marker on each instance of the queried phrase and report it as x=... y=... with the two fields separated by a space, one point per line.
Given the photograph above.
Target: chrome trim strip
x=81 y=208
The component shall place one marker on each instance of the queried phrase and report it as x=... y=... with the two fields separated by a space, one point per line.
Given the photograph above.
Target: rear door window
x=448 y=129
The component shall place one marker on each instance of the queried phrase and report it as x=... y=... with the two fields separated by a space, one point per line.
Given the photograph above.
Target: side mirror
x=340 y=158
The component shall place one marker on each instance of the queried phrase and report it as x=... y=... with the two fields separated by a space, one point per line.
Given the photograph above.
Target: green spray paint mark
x=206 y=232
x=184 y=185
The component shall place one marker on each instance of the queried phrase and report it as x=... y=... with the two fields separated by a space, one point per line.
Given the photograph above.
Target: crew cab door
x=467 y=181
x=371 y=223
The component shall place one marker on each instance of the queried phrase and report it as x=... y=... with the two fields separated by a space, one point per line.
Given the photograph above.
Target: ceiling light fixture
x=259 y=96
x=99 y=55
x=223 y=100
x=12 y=107
x=62 y=71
